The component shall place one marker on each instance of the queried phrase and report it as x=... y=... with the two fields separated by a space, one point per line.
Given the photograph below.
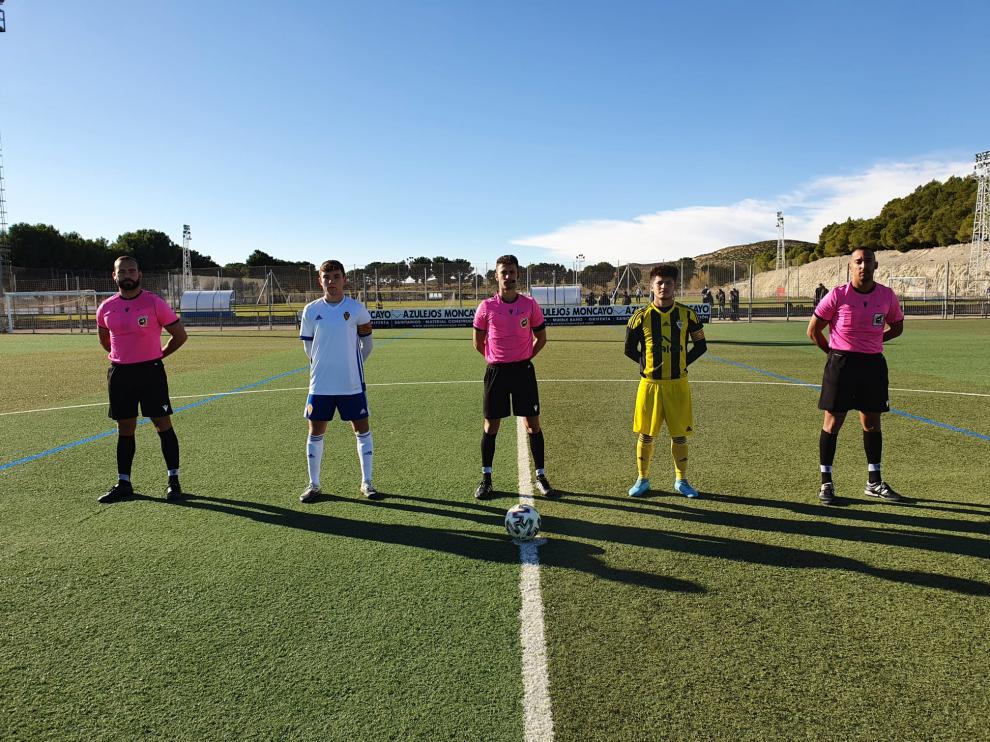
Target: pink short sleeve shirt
x=856 y=320
x=509 y=327
x=135 y=326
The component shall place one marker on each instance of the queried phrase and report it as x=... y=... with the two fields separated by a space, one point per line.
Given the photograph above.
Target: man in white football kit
x=336 y=333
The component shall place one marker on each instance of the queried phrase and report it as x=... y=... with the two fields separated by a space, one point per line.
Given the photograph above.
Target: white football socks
x=314 y=456
x=365 y=451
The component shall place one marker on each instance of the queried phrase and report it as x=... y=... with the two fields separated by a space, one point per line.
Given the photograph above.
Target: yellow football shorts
x=663 y=401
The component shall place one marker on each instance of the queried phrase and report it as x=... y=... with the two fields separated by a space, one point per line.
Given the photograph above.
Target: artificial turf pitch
x=753 y=613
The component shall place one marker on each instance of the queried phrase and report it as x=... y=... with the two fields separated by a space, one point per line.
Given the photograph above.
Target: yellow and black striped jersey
x=659 y=338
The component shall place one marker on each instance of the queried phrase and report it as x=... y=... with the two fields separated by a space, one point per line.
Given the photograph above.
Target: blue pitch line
x=142 y=421
x=902 y=413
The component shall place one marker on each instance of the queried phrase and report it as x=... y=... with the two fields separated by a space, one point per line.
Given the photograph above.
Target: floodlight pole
x=186 y=259
x=979 y=254
x=4 y=247
x=781 y=260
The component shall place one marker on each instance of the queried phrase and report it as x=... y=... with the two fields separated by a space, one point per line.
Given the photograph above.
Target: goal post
x=51 y=310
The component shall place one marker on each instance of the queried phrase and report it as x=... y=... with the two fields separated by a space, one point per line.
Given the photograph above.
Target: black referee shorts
x=132 y=383
x=515 y=382
x=854 y=381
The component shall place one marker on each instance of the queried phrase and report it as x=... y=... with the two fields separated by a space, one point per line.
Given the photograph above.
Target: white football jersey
x=337 y=366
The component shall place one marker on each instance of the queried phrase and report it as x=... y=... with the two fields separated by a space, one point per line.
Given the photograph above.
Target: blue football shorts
x=350 y=406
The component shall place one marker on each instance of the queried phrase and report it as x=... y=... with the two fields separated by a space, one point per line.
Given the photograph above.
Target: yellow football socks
x=680 y=453
x=644 y=454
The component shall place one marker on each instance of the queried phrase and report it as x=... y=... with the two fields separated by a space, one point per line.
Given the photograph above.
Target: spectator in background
x=707 y=298
x=590 y=301
x=820 y=292
x=639 y=294
x=604 y=300
x=734 y=304
x=626 y=299
x=720 y=296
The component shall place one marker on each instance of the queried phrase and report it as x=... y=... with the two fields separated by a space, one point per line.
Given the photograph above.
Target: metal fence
x=273 y=296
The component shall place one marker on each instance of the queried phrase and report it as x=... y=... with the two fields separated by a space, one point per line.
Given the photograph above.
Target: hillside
x=745 y=253
x=936 y=214
x=919 y=272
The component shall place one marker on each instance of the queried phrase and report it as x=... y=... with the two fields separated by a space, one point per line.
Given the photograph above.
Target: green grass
x=752 y=613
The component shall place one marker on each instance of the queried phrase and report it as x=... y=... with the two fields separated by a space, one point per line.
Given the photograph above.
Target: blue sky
x=381 y=130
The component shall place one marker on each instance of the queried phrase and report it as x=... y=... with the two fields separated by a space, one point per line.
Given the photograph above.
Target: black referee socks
x=125 y=453
x=170 y=448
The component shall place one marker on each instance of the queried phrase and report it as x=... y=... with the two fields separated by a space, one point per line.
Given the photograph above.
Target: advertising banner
x=555 y=315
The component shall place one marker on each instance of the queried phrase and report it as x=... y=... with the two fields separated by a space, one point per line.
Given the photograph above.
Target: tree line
x=42 y=246
x=934 y=215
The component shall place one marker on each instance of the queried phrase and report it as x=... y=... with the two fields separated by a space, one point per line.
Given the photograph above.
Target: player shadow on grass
x=960 y=508
x=873 y=520
x=491 y=544
x=742 y=550
x=872 y=511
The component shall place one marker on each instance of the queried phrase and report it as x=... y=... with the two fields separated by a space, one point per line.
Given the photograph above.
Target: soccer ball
x=522 y=522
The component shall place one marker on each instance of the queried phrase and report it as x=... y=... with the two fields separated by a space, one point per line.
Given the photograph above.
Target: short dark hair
x=332 y=265
x=507 y=260
x=125 y=259
x=665 y=270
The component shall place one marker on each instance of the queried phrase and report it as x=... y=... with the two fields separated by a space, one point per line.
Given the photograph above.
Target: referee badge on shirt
x=878 y=319
x=143 y=320
x=523 y=322
x=347 y=316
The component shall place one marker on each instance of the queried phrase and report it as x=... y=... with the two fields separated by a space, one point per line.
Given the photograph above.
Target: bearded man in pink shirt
x=509 y=330
x=860 y=316
x=130 y=325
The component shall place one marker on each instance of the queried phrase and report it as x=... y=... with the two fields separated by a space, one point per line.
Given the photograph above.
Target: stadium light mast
x=781 y=260
x=4 y=246
x=186 y=260
x=979 y=253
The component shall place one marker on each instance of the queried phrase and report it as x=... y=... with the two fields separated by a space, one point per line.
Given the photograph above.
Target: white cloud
x=695 y=230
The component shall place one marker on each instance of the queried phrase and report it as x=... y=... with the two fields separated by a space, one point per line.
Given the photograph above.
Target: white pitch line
x=477 y=381
x=537 y=712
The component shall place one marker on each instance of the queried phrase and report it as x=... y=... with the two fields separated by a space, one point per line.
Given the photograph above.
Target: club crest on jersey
x=347 y=316
x=878 y=319
x=318 y=318
x=524 y=322
x=143 y=320
x=678 y=323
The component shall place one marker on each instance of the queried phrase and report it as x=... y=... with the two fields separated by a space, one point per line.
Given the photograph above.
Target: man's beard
x=128 y=285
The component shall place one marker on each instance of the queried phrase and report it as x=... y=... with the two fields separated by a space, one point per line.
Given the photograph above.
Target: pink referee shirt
x=135 y=326
x=510 y=327
x=856 y=320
